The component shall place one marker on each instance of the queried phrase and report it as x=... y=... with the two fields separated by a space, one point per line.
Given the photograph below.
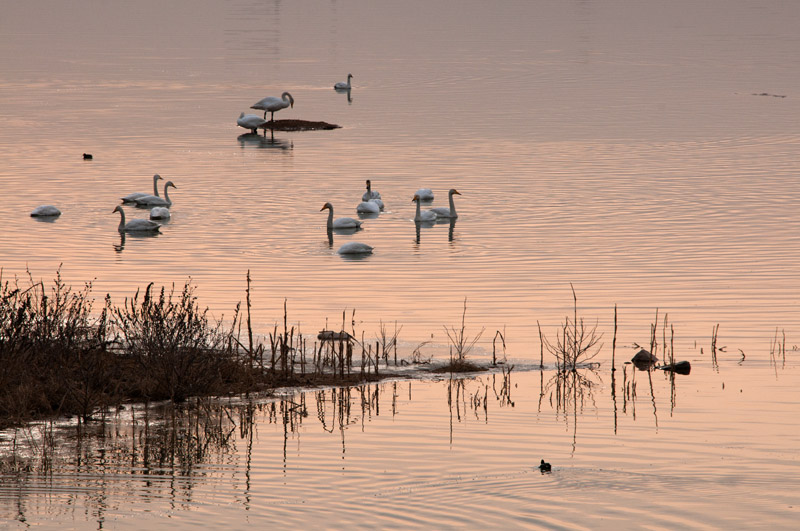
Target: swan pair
x=346 y=223
x=439 y=212
x=272 y=105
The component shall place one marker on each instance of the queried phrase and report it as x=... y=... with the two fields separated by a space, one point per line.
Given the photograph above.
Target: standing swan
x=340 y=223
x=250 y=121
x=135 y=225
x=152 y=200
x=272 y=104
x=428 y=215
x=131 y=198
x=370 y=194
x=341 y=85
x=444 y=212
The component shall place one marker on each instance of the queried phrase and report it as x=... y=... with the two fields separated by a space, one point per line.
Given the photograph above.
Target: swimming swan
x=135 y=225
x=152 y=200
x=444 y=212
x=340 y=223
x=428 y=215
x=45 y=211
x=131 y=198
x=341 y=85
x=160 y=213
x=250 y=121
x=368 y=207
x=370 y=194
x=425 y=194
x=272 y=104
x=355 y=248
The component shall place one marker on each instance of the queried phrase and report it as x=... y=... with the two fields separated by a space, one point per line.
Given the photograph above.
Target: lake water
x=645 y=153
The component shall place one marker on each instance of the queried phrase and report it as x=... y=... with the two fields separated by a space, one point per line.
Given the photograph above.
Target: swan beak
x=456 y=192
x=323 y=208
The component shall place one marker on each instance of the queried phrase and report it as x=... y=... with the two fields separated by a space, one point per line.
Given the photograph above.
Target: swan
x=340 y=223
x=341 y=85
x=135 y=225
x=273 y=104
x=355 y=248
x=368 y=207
x=160 y=213
x=425 y=194
x=378 y=202
x=250 y=121
x=152 y=200
x=444 y=212
x=45 y=211
x=428 y=215
x=131 y=198
x=370 y=194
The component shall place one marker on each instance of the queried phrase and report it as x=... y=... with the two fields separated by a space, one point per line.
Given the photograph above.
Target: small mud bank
x=298 y=125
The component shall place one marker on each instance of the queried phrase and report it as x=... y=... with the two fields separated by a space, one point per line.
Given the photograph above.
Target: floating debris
x=298 y=125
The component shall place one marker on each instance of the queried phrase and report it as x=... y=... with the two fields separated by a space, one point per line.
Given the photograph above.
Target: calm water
x=623 y=148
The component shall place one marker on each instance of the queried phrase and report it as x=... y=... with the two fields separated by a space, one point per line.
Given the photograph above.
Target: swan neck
x=121 y=227
x=166 y=197
x=155 y=186
x=330 y=218
x=418 y=216
x=452 y=206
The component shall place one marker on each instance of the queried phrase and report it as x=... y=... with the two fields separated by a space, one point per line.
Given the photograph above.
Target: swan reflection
x=135 y=236
x=264 y=141
x=347 y=92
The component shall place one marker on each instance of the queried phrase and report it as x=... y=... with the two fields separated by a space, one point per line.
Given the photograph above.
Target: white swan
x=341 y=85
x=368 y=207
x=339 y=223
x=273 y=104
x=45 y=211
x=355 y=248
x=370 y=194
x=131 y=198
x=378 y=202
x=425 y=194
x=444 y=212
x=250 y=121
x=428 y=215
x=152 y=200
x=135 y=225
x=160 y=213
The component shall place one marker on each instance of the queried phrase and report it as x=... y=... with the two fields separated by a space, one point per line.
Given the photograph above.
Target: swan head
x=454 y=191
x=291 y=99
x=415 y=199
x=349 y=76
x=169 y=183
x=326 y=206
x=117 y=209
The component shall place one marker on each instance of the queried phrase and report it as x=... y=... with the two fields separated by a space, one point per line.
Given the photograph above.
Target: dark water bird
x=545 y=467
x=131 y=198
x=339 y=223
x=250 y=121
x=341 y=85
x=87 y=156
x=135 y=225
x=444 y=212
x=680 y=367
x=154 y=200
x=272 y=104
x=45 y=211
